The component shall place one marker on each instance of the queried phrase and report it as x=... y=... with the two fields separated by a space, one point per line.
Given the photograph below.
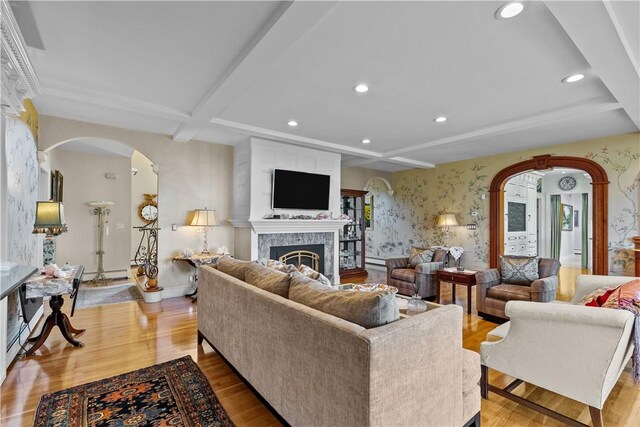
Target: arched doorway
x=599 y=183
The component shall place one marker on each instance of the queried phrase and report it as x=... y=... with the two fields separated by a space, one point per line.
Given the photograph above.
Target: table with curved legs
x=39 y=286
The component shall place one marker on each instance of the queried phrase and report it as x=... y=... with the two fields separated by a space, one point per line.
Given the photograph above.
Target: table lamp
x=445 y=221
x=50 y=222
x=205 y=219
x=49 y=219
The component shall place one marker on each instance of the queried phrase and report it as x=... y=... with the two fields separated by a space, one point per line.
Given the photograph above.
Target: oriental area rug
x=174 y=393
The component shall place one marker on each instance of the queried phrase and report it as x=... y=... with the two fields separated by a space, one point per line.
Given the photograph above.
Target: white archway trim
x=368 y=188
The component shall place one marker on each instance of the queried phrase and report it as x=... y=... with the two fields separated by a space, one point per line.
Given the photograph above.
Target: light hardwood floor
x=133 y=335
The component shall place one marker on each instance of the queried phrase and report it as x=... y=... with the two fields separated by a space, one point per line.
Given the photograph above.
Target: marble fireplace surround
x=266 y=233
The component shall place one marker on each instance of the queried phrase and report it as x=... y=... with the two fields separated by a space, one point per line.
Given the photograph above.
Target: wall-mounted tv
x=300 y=190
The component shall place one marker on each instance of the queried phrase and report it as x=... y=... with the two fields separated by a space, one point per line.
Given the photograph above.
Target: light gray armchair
x=575 y=351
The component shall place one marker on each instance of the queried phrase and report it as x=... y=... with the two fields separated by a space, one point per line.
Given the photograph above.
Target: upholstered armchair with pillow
x=519 y=278
x=416 y=272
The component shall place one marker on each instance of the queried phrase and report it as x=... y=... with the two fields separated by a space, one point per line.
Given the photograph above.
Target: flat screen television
x=300 y=190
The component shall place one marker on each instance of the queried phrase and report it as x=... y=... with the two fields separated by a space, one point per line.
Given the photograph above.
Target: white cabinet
x=520 y=222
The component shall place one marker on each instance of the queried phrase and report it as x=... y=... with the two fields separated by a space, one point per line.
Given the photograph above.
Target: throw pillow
x=598 y=297
x=420 y=255
x=268 y=279
x=624 y=295
x=310 y=272
x=519 y=270
x=280 y=266
x=232 y=267
x=367 y=309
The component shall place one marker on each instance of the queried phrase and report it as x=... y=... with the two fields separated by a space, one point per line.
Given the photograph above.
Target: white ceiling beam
x=293 y=139
x=284 y=29
x=515 y=125
x=596 y=32
x=103 y=99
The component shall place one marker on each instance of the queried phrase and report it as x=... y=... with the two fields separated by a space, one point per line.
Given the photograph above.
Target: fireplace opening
x=309 y=255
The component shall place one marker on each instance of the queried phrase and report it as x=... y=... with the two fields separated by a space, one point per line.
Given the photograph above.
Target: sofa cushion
x=404 y=274
x=519 y=270
x=419 y=255
x=268 y=279
x=233 y=267
x=470 y=370
x=507 y=292
x=439 y=255
x=367 y=309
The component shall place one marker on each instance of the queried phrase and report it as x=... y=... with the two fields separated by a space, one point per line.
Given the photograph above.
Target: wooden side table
x=455 y=277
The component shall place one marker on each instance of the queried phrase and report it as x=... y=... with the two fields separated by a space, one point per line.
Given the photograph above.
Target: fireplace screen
x=309 y=255
x=296 y=258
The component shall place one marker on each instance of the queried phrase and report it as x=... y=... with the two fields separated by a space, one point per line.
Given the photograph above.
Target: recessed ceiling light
x=563 y=172
x=440 y=119
x=361 y=88
x=366 y=141
x=292 y=123
x=509 y=10
x=573 y=78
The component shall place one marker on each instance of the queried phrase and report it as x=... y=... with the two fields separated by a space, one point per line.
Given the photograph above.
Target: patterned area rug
x=105 y=295
x=174 y=393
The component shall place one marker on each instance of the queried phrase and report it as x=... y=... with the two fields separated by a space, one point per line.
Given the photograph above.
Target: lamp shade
x=204 y=218
x=447 y=220
x=49 y=219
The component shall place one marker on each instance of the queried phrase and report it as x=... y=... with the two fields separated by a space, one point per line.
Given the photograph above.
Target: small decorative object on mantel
x=323 y=215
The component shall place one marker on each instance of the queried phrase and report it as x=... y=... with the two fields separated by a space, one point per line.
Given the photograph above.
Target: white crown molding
x=118 y=102
x=19 y=78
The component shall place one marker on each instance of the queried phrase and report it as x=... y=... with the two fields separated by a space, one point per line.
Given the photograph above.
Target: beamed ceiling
x=222 y=71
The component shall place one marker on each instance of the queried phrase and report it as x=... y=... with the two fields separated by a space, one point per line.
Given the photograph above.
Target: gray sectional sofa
x=316 y=369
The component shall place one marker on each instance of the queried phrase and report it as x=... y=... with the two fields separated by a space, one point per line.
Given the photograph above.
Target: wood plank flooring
x=133 y=335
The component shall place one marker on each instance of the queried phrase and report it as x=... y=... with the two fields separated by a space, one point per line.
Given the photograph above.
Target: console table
x=196 y=261
x=39 y=286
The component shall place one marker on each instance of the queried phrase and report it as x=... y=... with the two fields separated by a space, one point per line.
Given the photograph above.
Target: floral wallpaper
x=22 y=191
x=421 y=195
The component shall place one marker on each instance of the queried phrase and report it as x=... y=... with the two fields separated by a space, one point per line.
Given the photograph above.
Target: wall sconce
x=472 y=226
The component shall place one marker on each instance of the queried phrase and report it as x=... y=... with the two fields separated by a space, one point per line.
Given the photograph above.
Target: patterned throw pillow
x=420 y=255
x=626 y=294
x=519 y=270
x=312 y=274
x=281 y=266
x=598 y=297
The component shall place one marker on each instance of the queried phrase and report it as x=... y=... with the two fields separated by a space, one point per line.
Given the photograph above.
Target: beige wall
x=144 y=182
x=85 y=181
x=191 y=175
x=356 y=178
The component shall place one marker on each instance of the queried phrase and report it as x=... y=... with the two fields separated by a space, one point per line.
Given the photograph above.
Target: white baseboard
x=176 y=291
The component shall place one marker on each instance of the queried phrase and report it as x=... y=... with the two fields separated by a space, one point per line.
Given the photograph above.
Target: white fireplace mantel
x=262 y=226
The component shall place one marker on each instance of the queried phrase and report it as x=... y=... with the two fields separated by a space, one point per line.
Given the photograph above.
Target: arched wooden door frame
x=599 y=194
